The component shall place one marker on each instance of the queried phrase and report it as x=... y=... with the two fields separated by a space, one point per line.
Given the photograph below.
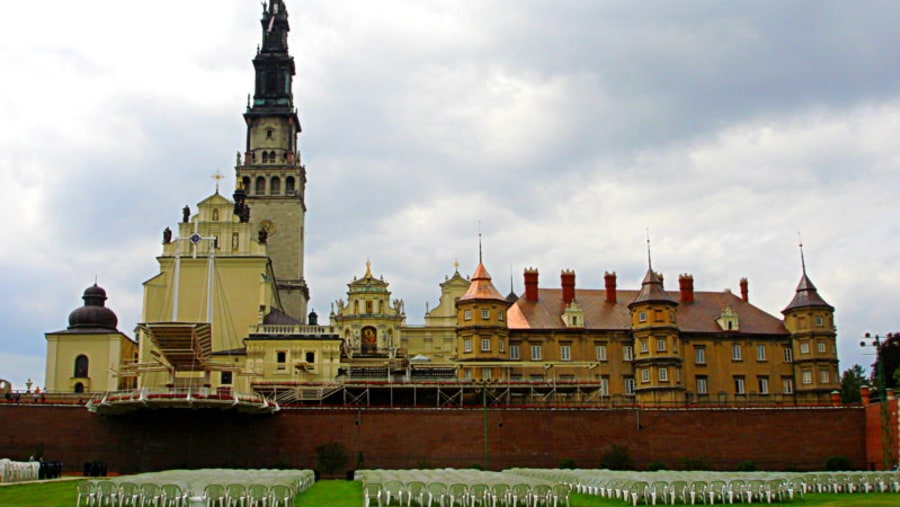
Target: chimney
x=531 y=285
x=745 y=291
x=686 y=287
x=567 y=278
x=610 y=279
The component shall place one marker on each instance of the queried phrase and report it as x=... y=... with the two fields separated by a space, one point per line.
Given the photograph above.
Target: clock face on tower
x=268 y=226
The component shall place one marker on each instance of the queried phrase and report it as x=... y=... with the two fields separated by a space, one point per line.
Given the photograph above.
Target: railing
x=190 y=397
x=275 y=329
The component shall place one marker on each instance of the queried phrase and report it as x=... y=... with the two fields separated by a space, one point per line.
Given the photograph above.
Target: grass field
x=349 y=494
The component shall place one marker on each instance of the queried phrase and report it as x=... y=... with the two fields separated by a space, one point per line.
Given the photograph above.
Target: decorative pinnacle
x=649 y=262
x=802 y=259
x=479 y=242
x=217 y=176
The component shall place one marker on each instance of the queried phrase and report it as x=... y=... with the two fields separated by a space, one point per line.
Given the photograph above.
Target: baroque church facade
x=228 y=313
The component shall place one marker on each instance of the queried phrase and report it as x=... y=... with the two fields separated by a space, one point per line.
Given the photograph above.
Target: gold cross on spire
x=217 y=176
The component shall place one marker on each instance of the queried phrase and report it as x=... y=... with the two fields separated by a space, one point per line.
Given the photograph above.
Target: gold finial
x=456 y=265
x=217 y=176
x=368 y=268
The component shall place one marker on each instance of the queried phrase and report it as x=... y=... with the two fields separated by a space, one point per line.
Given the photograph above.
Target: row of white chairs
x=19 y=471
x=458 y=488
x=209 y=487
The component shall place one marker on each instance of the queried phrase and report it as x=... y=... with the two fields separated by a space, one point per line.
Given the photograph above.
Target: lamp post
x=887 y=447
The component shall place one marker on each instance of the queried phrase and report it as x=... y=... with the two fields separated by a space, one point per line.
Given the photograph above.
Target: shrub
x=653 y=466
x=837 y=463
x=331 y=457
x=617 y=458
x=695 y=464
x=568 y=463
x=746 y=466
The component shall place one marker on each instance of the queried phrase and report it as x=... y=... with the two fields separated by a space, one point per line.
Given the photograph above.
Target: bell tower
x=271 y=180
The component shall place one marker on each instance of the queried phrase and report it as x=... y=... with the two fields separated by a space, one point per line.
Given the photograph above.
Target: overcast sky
x=567 y=128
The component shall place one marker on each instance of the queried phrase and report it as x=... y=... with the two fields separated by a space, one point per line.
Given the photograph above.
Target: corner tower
x=270 y=175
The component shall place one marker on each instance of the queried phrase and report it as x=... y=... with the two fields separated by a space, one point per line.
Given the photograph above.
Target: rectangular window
x=663 y=374
x=310 y=357
x=645 y=375
x=565 y=352
x=660 y=344
x=739 y=385
x=467 y=345
x=736 y=352
x=485 y=344
x=485 y=314
x=760 y=352
x=700 y=354
x=281 y=360
x=787 y=385
x=502 y=346
x=820 y=321
x=763 y=384
x=467 y=315
x=514 y=352
x=702 y=387
x=629 y=385
x=500 y=316
x=601 y=352
x=485 y=373
x=604 y=386
x=225 y=378
x=806 y=377
x=824 y=377
x=535 y=352
x=644 y=346
x=788 y=355
x=820 y=347
x=804 y=348
x=642 y=316
x=628 y=353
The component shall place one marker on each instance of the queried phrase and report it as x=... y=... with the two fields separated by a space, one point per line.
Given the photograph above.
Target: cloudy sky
x=568 y=129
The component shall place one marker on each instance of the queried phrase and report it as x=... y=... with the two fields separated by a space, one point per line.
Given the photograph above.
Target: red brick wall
x=874 y=440
x=152 y=440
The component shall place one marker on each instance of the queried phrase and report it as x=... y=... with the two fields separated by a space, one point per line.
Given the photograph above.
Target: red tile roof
x=481 y=286
x=697 y=317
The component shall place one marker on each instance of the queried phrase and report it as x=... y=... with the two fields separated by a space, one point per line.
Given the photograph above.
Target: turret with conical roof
x=810 y=320
x=481 y=329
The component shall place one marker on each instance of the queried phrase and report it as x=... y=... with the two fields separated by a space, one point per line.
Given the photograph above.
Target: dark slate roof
x=697 y=317
x=652 y=290
x=279 y=318
x=806 y=296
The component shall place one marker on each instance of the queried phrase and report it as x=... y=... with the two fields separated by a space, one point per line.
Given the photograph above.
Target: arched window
x=245 y=183
x=215 y=215
x=289 y=185
x=272 y=157
x=275 y=186
x=260 y=186
x=81 y=366
x=79 y=387
x=265 y=157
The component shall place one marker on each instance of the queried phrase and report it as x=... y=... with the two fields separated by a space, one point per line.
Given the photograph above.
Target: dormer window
x=729 y=320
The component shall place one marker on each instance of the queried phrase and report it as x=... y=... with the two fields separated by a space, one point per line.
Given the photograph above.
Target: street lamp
x=887 y=446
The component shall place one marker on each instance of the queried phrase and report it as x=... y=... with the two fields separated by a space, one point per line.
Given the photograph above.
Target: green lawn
x=349 y=494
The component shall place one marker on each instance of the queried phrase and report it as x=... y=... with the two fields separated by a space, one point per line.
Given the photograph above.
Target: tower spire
x=649 y=261
x=479 y=242
x=802 y=259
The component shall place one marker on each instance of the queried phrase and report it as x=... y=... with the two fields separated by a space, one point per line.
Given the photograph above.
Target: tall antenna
x=479 y=242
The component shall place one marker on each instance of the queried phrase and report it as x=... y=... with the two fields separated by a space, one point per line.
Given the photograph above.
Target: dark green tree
x=889 y=355
x=851 y=381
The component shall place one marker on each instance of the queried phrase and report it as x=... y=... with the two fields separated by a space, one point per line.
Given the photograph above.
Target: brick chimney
x=531 y=284
x=686 y=287
x=745 y=291
x=567 y=279
x=610 y=280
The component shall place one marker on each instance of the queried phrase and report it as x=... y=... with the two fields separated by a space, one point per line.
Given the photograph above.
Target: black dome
x=94 y=313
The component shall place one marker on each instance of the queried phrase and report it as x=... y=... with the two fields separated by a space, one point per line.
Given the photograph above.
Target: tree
x=851 y=381
x=889 y=356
